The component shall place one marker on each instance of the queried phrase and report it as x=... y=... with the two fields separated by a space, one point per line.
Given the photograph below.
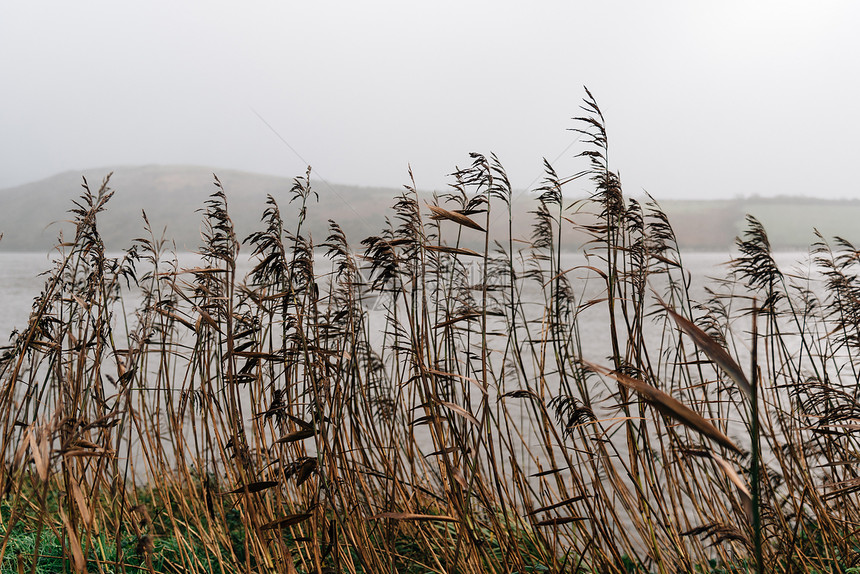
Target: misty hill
x=172 y=196
x=790 y=222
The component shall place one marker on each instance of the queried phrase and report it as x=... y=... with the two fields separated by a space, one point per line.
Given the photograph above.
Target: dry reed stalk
x=371 y=419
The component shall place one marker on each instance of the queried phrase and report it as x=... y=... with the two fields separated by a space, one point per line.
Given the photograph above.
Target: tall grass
x=426 y=404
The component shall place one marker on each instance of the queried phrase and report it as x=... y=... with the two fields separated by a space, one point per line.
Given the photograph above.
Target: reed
x=429 y=404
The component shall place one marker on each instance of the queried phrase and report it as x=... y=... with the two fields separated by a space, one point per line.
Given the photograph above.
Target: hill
x=172 y=196
x=790 y=221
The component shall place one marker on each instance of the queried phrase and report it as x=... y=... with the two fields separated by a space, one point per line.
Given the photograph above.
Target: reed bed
x=424 y=404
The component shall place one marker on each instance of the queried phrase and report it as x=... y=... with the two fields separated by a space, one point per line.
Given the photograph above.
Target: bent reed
x=427 y=406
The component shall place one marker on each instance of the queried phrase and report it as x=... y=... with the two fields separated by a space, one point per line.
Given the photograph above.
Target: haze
x=701 y=99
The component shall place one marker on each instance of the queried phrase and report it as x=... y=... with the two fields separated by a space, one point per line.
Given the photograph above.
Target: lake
x=21 y=280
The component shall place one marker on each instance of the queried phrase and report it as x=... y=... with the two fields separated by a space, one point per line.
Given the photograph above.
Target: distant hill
x=32 y=215
x=172 y=196
x=790 y=222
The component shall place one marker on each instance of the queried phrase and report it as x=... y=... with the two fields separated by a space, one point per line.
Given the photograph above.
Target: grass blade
x=712 y=349
x=670 y=407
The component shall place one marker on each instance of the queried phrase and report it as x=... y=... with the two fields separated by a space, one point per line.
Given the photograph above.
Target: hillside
x=172 y=197
x=33 y=214
x=790 y=221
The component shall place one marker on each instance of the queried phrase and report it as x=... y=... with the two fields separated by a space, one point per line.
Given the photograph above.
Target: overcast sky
x=702 y=99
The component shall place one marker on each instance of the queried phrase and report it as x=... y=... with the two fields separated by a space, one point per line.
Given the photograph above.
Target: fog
x=701 y=99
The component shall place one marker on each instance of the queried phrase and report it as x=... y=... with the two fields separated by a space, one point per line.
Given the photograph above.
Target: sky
x=701 y=99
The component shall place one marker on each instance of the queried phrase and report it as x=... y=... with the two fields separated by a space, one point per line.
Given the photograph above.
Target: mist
x=700 y=100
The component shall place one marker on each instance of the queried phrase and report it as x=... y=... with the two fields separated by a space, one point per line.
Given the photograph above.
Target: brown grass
x=423 y=407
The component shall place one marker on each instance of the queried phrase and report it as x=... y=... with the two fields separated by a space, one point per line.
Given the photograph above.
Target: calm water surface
x=22 y=279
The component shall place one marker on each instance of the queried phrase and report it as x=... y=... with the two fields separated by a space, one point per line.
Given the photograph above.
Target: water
x=21 y=280
x=20 y=283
